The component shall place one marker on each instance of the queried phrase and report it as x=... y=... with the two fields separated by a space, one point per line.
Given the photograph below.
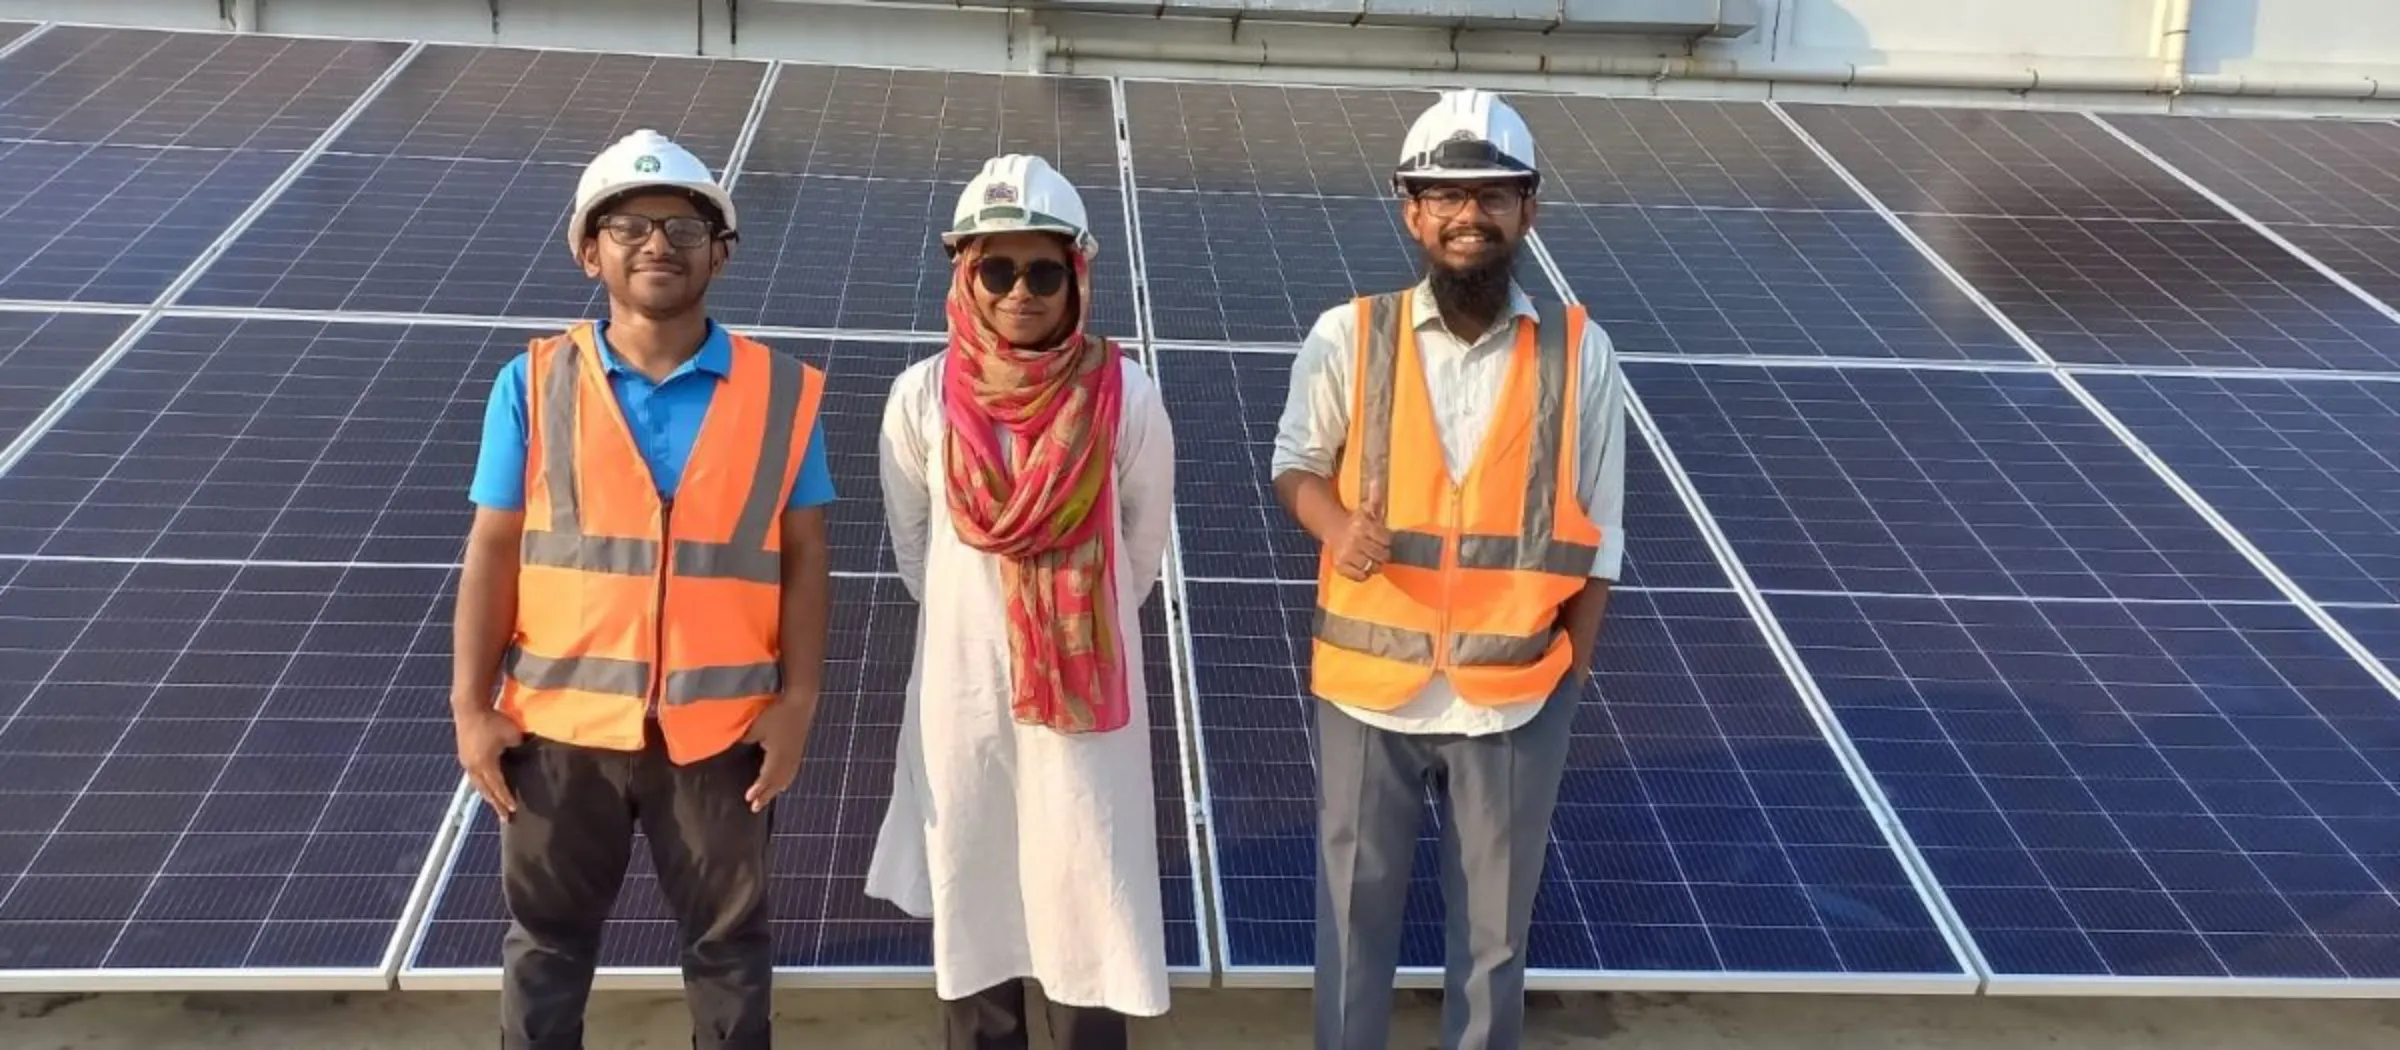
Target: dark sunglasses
x=683 y=231
x=1044 y=278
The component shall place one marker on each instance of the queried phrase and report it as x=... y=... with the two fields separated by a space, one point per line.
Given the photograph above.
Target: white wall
x=2081 y=52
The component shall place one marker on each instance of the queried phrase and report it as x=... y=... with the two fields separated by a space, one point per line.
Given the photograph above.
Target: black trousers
x=994 y=1019
x=563 y=857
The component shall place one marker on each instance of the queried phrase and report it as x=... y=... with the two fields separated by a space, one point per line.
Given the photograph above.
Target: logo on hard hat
x=646 y=164
x=1461 y=135
x=999 y=193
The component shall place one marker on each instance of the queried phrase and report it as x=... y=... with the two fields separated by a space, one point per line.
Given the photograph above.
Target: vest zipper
x=658 y=625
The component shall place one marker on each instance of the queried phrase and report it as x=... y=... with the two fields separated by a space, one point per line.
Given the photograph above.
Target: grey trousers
x=1499 y=790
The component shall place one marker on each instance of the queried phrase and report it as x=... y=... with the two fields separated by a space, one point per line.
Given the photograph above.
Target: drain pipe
x=2174 y=33
x=1262 y=54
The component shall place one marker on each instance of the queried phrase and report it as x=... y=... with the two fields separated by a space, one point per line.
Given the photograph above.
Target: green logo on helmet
x=646 y=164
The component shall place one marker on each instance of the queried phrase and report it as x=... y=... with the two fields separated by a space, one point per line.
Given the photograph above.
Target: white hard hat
x=642 y=160
x=1467 y=134
x=1020 y=192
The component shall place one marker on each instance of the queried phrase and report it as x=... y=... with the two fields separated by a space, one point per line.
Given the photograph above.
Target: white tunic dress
x=1034 y=852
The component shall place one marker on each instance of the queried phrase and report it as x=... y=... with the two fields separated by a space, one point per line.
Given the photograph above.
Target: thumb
x=1370 y=504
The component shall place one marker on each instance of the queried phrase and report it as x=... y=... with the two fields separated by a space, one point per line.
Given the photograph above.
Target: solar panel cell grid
x=2163 y=294
x=118 y=224
x=1226 y=406
x=1602 y=151
x=1770 y=283
x=2368 y=256
x=2309 y=471
x=559 y=107
x=2136 y=790
x=1703 y=826
x=2283 y=171
x=336 y=442
x=2019 y=163
x=826 y=826
x=140 y=87
x=923 y=125
x=1950 y=483
x=2376 y=627
x=218 y=767
x=1336 y=142
x=40 y=354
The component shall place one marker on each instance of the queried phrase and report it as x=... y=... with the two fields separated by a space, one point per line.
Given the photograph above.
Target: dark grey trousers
x=1499 y=790
x=564 y=856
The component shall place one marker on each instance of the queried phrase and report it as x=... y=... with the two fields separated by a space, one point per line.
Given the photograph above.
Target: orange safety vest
x=608 y=631
x=1479 y=569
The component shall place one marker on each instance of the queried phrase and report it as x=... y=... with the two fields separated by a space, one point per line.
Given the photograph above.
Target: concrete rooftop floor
x=1225 y=1020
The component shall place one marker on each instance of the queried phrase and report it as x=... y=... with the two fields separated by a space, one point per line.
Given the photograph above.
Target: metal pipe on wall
x=1261 y=53
x=2174 y=35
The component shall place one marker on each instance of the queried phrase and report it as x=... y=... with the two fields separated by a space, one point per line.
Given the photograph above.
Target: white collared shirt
x=1464 y=381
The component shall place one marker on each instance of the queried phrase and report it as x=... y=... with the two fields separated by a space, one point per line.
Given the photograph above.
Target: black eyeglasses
x=1043 y=278
x=1446 y=201
x=683 y=231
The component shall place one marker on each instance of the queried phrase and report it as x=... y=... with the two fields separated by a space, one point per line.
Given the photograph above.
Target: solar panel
x=2283 y=171
x=2160 y=792
x=450 y=192
x=140 y=87
x=2308 y=470
x=40 y=354
x=1226 y=405
x=118 y=224
x=1266 y=140
x=2377 y=627
x=1932 y=482
x=1764 y=282
x=930 y=125
x=2022 y=163
x=1678 y=153
x=219 y=767
x=824 y=831
x=1704 y=829
x=2328 y=186
x=229 y=439
x=2152 y=294
x=554 y=107
x=2100 y=255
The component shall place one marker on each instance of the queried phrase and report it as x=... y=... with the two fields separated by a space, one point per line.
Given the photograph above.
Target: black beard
x=1475 y=293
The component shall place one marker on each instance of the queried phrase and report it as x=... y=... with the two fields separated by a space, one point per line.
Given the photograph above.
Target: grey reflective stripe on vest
x=631 y=678
x=563 y=545
x=1400 y=644
x=590 y=674
x=746 y=557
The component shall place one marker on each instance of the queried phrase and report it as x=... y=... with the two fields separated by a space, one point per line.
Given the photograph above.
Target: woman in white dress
x=1028 y=473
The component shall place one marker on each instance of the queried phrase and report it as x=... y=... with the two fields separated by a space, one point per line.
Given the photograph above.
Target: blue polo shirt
x=664 y=417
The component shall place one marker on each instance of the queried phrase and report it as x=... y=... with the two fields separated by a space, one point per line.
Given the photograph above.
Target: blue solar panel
x=1769 y=283
x=40 y=354
x=2166 y=791
x=2097 y=253
x=216 y=438
x=1226 y=404
x=2375 y=626
x=1681 y=153
x=1704 y=830
x=2308 y=470
x=214 y=767
x=148 y=87
x=824 y=831
x=1932 y=482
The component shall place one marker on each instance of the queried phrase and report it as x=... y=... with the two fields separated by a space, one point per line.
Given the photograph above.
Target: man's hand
x=482 y=736
x=782 y=730
x=1363 y=544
